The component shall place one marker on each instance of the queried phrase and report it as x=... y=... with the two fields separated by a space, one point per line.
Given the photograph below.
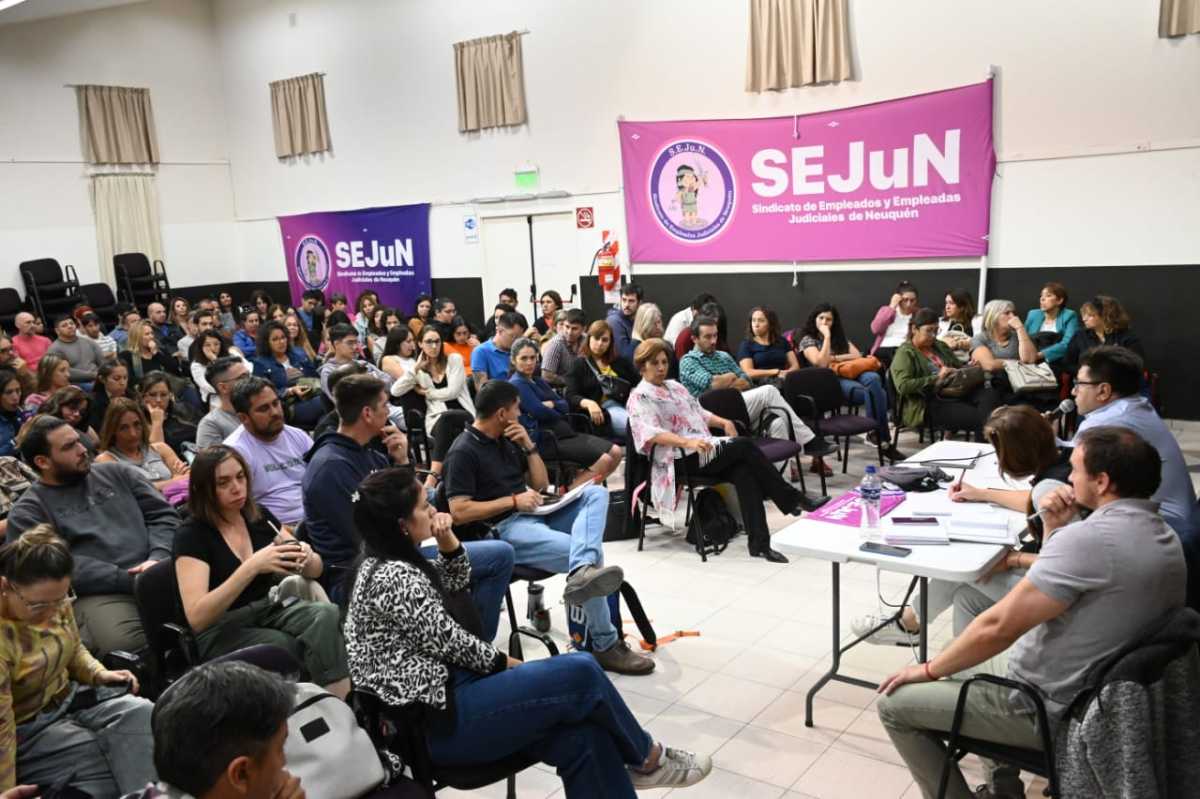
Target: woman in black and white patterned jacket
x=405 y=645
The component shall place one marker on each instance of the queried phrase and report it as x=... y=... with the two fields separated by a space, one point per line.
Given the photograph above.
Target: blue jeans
x=539 y=542
x=618 y=418
x=868 y=390
x=562 y=710
x=491 y=568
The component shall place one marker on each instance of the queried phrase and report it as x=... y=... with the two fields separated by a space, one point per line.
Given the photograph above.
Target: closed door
x=507 y=264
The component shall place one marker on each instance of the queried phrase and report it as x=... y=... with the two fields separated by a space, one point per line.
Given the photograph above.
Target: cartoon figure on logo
x=688 y=183
x=310 y=261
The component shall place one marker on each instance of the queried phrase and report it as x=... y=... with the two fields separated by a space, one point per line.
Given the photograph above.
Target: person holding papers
x=1026 y=448
x=493 y=473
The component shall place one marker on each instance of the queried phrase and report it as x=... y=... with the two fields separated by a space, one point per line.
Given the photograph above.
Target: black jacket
x=582 y=382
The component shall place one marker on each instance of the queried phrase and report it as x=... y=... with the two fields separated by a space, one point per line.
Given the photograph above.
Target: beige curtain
x=298 y=114
x=116 y=125
x=797 y=43
x=490 y=74
x=126 y=208
x=1178 y=18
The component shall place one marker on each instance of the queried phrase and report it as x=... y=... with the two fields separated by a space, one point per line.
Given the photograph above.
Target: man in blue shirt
x=620 y=319
x=489 y=361
x=1107 y=393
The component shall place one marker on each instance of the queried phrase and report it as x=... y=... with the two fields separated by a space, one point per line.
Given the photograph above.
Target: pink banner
x=908 y=178
x=847 y=510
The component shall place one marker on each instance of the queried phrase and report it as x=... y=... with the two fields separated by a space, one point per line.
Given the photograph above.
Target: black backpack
x=712 y=525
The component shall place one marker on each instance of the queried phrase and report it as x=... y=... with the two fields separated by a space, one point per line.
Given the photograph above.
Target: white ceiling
x=44 y=9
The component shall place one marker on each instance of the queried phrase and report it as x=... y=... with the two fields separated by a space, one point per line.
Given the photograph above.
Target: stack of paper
x=980 y=524
x=914 y=534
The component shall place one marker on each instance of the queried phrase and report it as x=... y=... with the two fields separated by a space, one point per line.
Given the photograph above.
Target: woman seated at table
x=439 y=377
x=544 y=411
x=958 y=323
x=231 y=554
x=71 y=405
x=275 y=362
x=1104 y=322
x=419 y=652
x=599 y=381
x=53 y=373
x=1026 y=448
x=920 y=365
x=671 y=428
x=112 y=381
x=764 y=354
x=823 y=344
x=1052 y=324
x=125 y=438
x=169 y=420
x=65 y=717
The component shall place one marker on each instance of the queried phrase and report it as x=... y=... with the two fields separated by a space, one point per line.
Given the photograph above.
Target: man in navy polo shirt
x=489 y=361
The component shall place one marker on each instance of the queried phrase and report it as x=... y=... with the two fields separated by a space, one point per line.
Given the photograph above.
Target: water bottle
x=869 y=490
x=536 y=610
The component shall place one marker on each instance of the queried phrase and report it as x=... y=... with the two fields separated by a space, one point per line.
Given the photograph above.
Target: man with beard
x=274 y=450
x=116 y=524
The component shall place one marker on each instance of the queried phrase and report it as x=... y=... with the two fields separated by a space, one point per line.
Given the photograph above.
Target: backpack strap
x=649 y=637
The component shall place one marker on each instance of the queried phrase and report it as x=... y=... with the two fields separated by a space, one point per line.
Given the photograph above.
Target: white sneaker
x=891 y=633
x=676 y=769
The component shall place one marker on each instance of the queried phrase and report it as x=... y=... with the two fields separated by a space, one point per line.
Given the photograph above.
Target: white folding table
x=956 y=562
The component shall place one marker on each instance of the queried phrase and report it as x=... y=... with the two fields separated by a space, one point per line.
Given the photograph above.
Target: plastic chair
x=821 y=392
x=50 y=288
x=138 y=281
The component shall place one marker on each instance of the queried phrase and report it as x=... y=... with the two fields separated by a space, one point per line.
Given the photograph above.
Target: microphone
x=1064 y=407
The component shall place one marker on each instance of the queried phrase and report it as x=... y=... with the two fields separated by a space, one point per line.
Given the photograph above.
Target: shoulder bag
x=1026 y=378
x=960 y=383
x=853 y=368
x=614 y=388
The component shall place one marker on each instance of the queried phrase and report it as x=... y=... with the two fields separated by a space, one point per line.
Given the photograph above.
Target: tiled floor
x=737 y=690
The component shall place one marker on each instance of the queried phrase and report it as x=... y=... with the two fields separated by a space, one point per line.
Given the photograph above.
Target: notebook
x=914 y=534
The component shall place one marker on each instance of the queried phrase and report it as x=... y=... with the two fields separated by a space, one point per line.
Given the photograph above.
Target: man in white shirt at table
x=1097 y=586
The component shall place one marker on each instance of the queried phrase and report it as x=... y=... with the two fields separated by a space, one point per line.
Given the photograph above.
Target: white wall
x=170 y=47
x=1076 y=78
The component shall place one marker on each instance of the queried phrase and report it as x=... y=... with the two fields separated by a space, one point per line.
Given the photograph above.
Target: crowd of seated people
x=203 y=455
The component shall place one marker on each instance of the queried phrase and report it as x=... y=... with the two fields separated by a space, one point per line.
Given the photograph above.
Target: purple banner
x=846 y=509
x=908 y=178
x=385 y=250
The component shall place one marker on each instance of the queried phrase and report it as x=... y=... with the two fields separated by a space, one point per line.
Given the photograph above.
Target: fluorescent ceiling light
x=7 y=4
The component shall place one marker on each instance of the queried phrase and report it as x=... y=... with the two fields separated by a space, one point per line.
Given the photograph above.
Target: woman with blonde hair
x=66 y=718
x=143 y=355
x=1002 y=338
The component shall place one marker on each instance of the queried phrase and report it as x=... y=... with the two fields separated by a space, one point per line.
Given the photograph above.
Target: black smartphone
x=915 y=520
x=885 y=549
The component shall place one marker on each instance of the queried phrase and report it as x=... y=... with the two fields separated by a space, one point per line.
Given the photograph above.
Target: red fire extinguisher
x=605 y=262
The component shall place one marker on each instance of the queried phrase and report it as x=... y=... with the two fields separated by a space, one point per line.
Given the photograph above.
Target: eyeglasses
x=37 y=607
x=1089 y=382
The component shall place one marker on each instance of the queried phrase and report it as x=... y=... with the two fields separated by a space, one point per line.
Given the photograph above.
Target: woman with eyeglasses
x=1026 y=448
x=919 y=366
x=63 y=715
x=544 y=411
x=441 y=378
x=168 y=421
x=125 y=438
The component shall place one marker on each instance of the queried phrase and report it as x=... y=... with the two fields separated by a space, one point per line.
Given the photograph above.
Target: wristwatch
x=530 y=451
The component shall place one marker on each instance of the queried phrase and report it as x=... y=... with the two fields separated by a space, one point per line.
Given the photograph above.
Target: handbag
x=1026 y=378
x=326 y=748
x=853 y=368
x=614 y=388
x=960 y=383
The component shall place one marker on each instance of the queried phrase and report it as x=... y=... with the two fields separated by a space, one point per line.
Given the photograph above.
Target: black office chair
x=820 y=392
x=51 y=289
x=100 y=298
x=637 y=472
x=171 y=645
x=138 y=281
x=10 y=306
x=399 y=730
x=728 y=403
x=1031 y=760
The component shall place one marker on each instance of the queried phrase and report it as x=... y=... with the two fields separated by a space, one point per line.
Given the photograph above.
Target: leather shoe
x=620 y=659
x=810 y=504
x=769 y=555
x=819 y=465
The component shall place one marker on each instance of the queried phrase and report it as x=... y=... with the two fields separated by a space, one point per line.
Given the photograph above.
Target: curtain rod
x=79 y=85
